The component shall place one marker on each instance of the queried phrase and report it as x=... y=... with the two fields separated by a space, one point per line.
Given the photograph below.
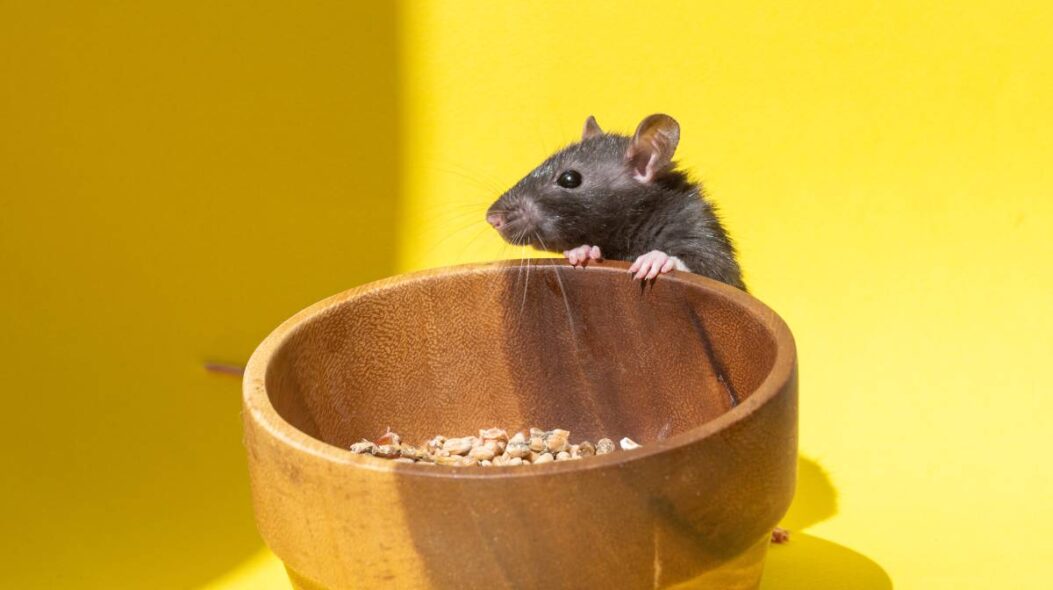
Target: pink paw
x=653 y=263
x=583 y=254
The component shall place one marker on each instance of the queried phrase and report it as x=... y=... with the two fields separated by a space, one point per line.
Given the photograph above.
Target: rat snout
x=514 y=217
x=496 y=219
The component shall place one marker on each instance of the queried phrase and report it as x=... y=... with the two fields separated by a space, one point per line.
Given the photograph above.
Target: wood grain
x=702 y=374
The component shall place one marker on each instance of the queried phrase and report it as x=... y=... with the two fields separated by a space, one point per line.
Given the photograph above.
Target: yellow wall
x=174 y=181
x=885 y=168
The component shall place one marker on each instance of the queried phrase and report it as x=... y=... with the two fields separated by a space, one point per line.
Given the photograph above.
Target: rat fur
x=630 y=203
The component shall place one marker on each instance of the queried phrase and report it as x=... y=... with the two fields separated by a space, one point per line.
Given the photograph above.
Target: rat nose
x=496 y=220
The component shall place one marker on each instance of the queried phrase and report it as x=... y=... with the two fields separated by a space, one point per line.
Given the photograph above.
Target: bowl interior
x=587 y=350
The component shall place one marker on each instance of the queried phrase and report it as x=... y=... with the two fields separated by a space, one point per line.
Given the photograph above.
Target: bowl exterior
x=691 y=511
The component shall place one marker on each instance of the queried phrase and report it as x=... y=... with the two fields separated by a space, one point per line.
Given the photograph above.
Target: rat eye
x=569 y=179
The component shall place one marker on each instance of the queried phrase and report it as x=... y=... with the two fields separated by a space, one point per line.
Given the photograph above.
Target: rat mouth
x=516 y=219
x=517 y=231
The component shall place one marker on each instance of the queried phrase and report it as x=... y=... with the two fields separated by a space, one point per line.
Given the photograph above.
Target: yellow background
x=177 y=178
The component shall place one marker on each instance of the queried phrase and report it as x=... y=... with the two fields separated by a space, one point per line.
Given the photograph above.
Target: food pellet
x=386 y=451
x=628 y=444
x=457 y=446
x=493 y=447
x=362 y=447
x=604 y=446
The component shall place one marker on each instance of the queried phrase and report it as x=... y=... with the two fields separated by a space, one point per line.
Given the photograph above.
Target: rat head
x=580 y=191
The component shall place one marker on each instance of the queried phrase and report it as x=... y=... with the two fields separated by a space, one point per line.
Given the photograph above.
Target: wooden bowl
x=701 y=374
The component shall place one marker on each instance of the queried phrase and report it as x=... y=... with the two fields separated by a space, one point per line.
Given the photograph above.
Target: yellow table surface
x=177 y=178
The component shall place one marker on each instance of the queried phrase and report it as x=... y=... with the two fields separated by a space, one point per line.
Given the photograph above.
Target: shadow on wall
x=184 y=176
x=811 y=563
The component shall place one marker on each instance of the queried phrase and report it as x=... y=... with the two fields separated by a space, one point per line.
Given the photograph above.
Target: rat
x=622 y=198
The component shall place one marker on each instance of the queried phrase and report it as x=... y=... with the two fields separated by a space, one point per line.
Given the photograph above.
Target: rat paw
x=583 y=254
x=653 y=263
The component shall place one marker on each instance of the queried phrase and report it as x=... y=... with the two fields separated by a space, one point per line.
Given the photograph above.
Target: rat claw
x=669 y=265
x=656 y=267
x=650 y=265
x=582 y=254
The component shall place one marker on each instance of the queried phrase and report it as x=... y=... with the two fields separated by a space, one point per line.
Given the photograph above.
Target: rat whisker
x=526 y=284
x=488 y=184
x=468 y=244
x=443 y=224
x=466 y=206
x=482 y=174
x=434 y=213
x=497 y=278
x=502 y=279
x=522 y=252
x=479 y=231
x=563 y=290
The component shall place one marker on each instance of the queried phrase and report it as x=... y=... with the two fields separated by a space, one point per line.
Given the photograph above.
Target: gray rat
x=617 y=197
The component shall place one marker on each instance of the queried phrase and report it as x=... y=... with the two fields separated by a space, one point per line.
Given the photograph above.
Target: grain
x=493 y=447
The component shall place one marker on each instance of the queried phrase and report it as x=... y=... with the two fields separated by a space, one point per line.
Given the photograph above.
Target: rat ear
x=652 y=147
x=592 y=128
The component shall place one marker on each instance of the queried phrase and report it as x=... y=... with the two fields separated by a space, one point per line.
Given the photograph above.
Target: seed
x=386 y=451
x=521 y=450
x=481 y=453
x=435 y=443
x=496 y=446
x=412 y=452
x=493 y=447
x=585 y=449
x=389 y=438
x=604 y=446
x=362 y=447
x=629 y=444
x=494 y=434
x=556 y=440
x=457 y=446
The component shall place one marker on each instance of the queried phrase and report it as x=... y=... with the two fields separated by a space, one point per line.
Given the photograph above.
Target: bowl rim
x=257 y=406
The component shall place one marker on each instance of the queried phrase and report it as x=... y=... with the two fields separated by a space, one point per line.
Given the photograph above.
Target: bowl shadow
x=811 y=563
x=808 y=562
